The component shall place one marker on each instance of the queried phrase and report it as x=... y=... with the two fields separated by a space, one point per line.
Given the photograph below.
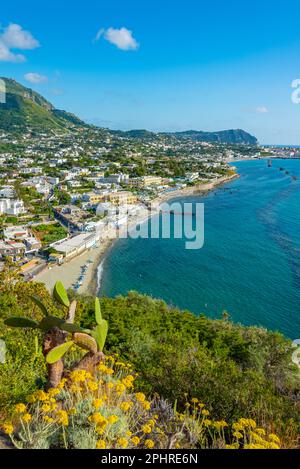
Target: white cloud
x=122 y=38
x=7 y=56
x=262 y=109
x=15 y=37
x=35 y=78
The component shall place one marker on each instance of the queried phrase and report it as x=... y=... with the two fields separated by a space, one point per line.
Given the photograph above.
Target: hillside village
x=57 y=191
x=65 y=185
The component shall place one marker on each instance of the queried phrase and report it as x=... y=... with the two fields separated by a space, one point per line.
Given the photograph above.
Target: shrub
x=102 y=410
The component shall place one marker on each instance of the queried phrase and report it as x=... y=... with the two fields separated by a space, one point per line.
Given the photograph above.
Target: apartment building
x=13 y=207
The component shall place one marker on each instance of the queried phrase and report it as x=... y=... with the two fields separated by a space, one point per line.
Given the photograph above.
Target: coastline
x=69 y=272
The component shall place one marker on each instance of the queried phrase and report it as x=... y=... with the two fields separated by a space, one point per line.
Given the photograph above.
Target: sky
x=161 y=65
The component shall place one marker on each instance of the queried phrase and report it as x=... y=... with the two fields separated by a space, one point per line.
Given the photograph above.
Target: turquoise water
x=250 y=262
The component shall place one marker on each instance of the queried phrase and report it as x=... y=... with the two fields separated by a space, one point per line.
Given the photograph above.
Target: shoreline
x=69 y=272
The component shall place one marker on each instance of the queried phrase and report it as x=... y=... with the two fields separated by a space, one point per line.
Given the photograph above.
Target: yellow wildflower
x=62 y=418
x=151 y=422
x=98 y=419
x=102 y=368
x=62 y=383
x=238 y=435
x=149 y=444
x=120 y=388
x=220 y=424
x=125 y=406
x=46 y=407
x=274 y=438
x=251 y=423
x=48 y=419
x=146 y=405
x=112 y=419
x=207 y=422
x=140 y=397
x=100 y=430
x=123 y=442
x=146 y=429
x=97 y=403
x=100 y=444
x=20 y=408
x=253 y=446
x=27 y=417
x=53 y=392
x=237 y=426
x=135 y=440
x=92 y=385
x=72 y=411
x=194 y=400
x=128 y=381
x=128 y=433
x=260 y=431
x=41 y=396
x=8 y=428
x=79 y=376
x=205 y=412
x=273 y=445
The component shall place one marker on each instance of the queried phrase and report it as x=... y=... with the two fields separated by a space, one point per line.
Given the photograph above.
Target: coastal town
x=63 y=194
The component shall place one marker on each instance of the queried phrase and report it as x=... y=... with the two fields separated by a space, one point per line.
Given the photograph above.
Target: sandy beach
x=70 y=271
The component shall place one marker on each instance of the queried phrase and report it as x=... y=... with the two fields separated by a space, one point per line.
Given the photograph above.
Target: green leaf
x=98 y=314
x=21 y=322
x=50 y=322
x=100 y=334
x=86 y=342
x=38 y=302
x=60 y=294
x=58 y=352
x=69 y=327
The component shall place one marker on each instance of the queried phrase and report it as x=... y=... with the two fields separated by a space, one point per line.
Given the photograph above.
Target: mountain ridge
x=26 y=109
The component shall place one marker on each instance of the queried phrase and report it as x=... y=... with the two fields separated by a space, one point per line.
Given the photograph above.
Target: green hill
x=236 y=136
x=233 y=136
x=25 y=109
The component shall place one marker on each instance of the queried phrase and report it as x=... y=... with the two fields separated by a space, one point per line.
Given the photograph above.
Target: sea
x=249 y=265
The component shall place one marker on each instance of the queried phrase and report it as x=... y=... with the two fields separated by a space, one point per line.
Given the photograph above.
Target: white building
x=74 y=246
x=7 y=192
x=116 y=179
x=12 y=207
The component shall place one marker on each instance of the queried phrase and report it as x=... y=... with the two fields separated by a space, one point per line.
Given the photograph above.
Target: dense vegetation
x=48 y=234
x=24 y=108
x=237 y=371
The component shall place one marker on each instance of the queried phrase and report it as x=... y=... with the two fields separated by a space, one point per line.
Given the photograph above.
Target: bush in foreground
x=102 y=410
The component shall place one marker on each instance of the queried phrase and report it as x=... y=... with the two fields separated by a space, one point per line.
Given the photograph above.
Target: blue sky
x=161 y=65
